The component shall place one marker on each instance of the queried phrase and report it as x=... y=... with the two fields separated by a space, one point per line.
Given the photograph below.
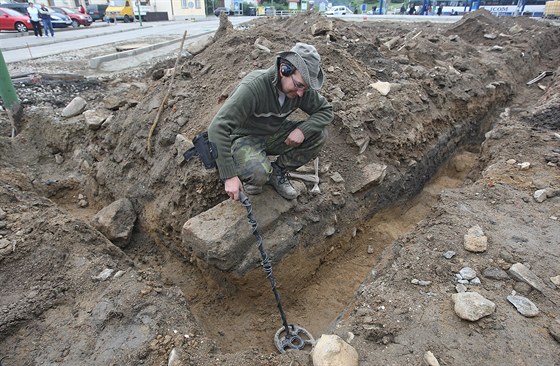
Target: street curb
x=96 y=61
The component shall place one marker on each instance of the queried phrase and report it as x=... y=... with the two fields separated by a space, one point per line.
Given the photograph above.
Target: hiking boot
x=279 y=180
x=251 y=189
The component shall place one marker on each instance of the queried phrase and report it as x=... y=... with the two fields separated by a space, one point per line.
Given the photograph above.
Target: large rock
x=331 y=350
x=472 y=306
x=94 y=119
x=116 y=222
x=475 y=241
x=524 y=274
x=182 y=144
x=382 y=87
x=199 y=45
x=523 y=305
x=322 y=26
x=222 y=236
x=372 y=174
x=75 y=107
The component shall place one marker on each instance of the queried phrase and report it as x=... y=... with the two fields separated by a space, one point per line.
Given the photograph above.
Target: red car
x=13 y=20
x=77 y=17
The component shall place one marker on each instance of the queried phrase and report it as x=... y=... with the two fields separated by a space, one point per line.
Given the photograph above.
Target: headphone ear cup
x=286 y=70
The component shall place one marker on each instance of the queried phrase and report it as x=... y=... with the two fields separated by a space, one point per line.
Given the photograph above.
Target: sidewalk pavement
x=15 y=41
x=10 y=41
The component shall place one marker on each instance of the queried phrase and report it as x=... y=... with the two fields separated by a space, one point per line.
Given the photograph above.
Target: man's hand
x=295 y=138
x=232 y=186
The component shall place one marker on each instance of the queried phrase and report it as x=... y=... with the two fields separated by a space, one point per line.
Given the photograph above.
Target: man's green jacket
x=253 y=109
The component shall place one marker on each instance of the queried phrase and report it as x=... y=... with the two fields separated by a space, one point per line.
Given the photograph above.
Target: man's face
x=293 y=86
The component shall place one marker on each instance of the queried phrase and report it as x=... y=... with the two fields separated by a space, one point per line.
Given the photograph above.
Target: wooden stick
x=164 y=101
x=405 y=43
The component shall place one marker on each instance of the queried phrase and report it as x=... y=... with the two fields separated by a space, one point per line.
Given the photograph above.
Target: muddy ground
x=458 y=121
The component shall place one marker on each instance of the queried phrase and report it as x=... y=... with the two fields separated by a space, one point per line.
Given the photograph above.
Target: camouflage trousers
x=250 y=153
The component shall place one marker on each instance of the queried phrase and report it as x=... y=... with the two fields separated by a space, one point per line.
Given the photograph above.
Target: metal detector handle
x=242 y=197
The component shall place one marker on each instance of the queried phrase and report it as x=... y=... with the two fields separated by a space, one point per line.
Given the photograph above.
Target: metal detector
x=290 y=336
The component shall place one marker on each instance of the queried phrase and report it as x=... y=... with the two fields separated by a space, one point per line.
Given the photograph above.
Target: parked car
x=96 y=11
x=76 y=17
x=120 y=10
x=222 y=9
x=13 y=20
x=58 y=20
x=339 y=10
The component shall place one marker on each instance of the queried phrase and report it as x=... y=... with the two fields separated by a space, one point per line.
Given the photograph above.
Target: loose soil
x=456 y=123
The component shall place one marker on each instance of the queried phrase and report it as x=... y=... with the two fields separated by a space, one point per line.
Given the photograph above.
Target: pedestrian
x=440 y=9
x=412 y=10
x=403 y=9
x=45 y=15
x=33 y=13
x=81 y=9
x=253 y=123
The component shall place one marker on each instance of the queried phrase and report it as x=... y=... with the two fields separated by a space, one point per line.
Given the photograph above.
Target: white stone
x=472 y=306
x=555 y=280
x=94 y=119
x=475 y=281
x=430 y=359
x=75 y=107
x=475 y=241
x=105 y=274
x=382 y=87
x=370 y=175
x=524 y=274
x=467 y=273
x=331 y=350
x=116 y=222
x=182 y=144
x=523 y=305
x=524 y=166
x=540 y=195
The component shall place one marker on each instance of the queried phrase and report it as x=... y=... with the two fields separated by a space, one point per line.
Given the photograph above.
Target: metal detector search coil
x=289 y=336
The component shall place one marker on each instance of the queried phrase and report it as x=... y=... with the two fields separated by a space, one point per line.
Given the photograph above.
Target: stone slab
x=222 y=235
x=372 y=174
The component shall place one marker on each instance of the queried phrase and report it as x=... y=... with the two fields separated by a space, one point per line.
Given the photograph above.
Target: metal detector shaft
x=266 y=263
x=289 y=336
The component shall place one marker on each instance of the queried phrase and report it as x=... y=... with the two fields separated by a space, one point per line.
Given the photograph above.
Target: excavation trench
x=315 y=289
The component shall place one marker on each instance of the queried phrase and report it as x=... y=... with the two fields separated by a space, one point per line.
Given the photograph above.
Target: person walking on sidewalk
x=33 y=13
x=253 y=123
x=45 y=15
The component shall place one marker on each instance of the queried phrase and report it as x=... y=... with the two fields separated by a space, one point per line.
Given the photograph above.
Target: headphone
x=287 y=69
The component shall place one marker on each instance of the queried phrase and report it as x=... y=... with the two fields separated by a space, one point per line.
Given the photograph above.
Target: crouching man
x=253 y=123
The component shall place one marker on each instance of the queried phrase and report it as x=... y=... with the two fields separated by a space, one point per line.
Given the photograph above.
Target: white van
x=338 y=10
